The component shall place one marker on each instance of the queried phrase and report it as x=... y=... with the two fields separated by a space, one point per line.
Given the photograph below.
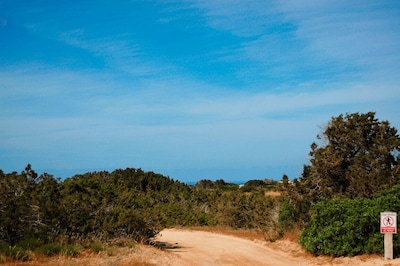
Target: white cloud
x=142 y=110
x=321 y=39
x=357 y=32
x=242 y=18
x=177 y=101
x=119 y=52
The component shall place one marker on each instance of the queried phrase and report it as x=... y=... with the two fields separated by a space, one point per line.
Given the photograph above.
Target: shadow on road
x=164 y=245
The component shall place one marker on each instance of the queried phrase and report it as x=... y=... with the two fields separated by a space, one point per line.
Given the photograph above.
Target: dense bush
x=14 y=252
x=206 y=184
x=257 y=185
x=353 y=176
x=44 y=214
x=341 y=227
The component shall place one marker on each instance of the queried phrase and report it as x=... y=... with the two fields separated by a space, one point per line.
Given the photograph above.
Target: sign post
x=388 y=227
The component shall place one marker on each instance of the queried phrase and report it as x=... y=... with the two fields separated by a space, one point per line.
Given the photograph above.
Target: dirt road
x=204 y=248
x=197 y=248
x=200 y=248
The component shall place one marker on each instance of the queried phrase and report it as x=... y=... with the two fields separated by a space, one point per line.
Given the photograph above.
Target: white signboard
x=388 y=222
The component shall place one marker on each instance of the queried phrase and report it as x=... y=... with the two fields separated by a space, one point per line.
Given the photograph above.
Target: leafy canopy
x=358 y=156
x=349 y=227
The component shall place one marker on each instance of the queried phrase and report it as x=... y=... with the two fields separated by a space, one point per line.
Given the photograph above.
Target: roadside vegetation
x=353 y=176
x=45 y=215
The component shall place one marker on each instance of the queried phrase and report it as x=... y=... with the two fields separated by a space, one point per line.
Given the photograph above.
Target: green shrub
x=130 y=204
x=97 y=247
x=70 y=250
x=349 y=227
x=50 y=249
x=29 y=244
x=18 y=253
x=14 y=252
x=254 y=185
x=3 y=247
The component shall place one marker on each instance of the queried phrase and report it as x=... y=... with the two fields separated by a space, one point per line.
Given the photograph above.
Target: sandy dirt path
x=204 y=248
x=198 y=248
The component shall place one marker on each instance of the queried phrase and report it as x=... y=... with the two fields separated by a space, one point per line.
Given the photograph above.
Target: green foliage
x=354 y=175
x=51 y=249
x=29 y=244
x=21 y=250
x=16 y=253
x=297 y=202
x=220 y=184
x=97 y=247
x=43 y=214
x=13 y=252
x=70 y=250
x=247 y=211
x=358 y=158
x=259 y=185
x=341 y=227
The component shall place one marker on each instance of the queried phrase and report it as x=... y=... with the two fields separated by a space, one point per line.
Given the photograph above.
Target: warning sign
x=389 y=222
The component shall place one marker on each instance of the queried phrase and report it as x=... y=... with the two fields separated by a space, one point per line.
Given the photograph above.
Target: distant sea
x=188 y=176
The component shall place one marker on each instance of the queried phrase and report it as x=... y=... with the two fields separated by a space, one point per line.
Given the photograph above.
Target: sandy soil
x=197 y=248
x=200 y=248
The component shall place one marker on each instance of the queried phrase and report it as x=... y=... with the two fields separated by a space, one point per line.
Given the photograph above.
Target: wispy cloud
x=246 y=19
x=166 y=103
x=119 y=52
x=182 y=85
x=323 y=39
x=360 y=33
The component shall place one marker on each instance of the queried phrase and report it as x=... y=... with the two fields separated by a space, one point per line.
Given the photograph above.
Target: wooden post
x=388 y=239
x=388 y=228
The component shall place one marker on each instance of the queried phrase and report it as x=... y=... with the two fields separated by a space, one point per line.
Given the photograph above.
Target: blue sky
x=190 y=89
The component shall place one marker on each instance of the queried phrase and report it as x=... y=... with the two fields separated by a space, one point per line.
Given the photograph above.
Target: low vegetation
x=354 y=175
x=95 y=210
x=349 y=227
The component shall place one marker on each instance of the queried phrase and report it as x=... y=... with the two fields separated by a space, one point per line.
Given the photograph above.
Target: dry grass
x=117 y=256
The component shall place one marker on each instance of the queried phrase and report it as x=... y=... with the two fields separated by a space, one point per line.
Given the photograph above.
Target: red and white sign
x=388 y=222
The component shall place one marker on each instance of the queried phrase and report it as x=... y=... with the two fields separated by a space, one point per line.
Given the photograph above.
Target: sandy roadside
x=197 y=248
